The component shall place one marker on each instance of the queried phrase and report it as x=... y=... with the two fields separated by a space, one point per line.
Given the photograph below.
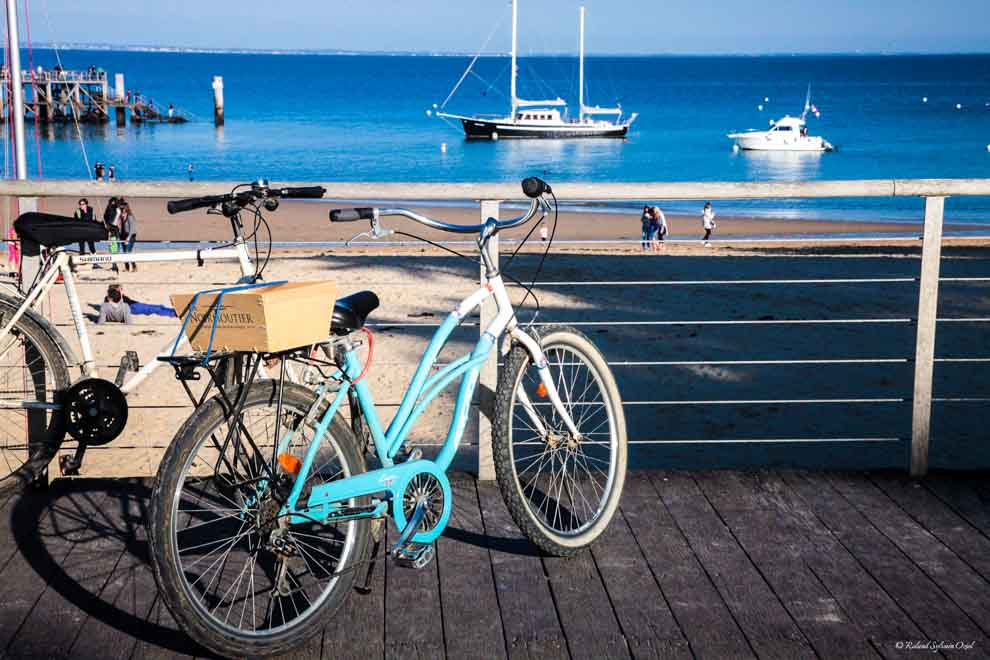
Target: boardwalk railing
x=933 y=191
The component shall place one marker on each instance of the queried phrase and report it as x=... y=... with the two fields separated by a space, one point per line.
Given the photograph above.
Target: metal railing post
x=924 y=360
x=488 y=378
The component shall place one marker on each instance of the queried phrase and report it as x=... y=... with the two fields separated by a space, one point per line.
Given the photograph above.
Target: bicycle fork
x=547 y=380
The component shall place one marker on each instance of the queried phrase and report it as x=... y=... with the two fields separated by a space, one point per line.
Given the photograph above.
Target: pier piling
x=119 y=99
x=218 y=100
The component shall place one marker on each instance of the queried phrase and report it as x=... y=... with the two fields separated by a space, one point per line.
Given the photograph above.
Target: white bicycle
x=40 y=402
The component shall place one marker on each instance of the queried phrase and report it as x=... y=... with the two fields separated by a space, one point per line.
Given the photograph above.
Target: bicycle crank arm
x=30 y=405
x=407 y=533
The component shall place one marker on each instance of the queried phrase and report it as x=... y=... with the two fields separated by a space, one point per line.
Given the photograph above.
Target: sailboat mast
x=581 y=69
x=16 y=90
x=512 y=83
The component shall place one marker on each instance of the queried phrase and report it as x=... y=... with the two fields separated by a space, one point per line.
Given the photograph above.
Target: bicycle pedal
x=68 y=466
x=128 y=362
x=414 y=555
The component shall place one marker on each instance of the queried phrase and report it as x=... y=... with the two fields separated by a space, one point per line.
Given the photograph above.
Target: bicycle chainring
x=95 y=411
x=427 y=488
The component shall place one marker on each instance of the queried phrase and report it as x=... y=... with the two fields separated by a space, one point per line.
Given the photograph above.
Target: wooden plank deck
x=712 y=564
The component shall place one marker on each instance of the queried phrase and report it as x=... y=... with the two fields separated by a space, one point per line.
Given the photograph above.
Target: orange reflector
x=541 y=391
x=290 y=464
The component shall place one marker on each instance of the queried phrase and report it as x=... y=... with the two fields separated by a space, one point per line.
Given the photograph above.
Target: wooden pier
x=697 y=564
x=58 y=96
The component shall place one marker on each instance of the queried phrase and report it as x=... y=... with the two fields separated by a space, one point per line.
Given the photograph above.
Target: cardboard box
x=266 y=319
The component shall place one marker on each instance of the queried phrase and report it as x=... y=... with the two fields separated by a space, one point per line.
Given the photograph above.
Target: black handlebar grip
x=534 y=187
x=181 y=205
x=306 y=192
x=350 y=215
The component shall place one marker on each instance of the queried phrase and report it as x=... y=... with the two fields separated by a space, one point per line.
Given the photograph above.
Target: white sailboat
x=542 y=119
x=786 y=134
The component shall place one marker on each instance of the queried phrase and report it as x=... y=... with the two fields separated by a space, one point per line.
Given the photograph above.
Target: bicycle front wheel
x=561 y=490
x=32 y=374
x=240 y=579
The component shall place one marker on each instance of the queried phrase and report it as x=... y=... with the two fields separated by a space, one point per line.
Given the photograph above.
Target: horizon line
x=421 y=53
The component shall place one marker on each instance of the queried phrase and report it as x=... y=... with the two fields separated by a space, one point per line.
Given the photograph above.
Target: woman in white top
x=662 y=229
x=707 y=222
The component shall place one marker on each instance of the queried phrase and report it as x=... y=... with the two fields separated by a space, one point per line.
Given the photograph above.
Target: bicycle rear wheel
x=562 y=491
x=33 y=373
x=242 y=581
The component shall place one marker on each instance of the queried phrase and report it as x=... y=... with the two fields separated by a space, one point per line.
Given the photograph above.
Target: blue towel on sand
x=151 y=310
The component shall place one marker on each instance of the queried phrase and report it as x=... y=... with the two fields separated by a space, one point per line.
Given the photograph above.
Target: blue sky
x=614 y=26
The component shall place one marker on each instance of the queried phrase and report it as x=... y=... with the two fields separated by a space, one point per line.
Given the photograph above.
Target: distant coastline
x=144 y=48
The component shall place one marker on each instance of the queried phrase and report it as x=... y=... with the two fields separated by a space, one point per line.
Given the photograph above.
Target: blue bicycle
x=267 y=504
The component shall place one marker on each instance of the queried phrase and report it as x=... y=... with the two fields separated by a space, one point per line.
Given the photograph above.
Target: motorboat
x=786 y=134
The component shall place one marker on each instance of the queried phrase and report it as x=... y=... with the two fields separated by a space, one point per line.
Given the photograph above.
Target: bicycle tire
x=163 y=529
x=525 y=496
x=31 y=437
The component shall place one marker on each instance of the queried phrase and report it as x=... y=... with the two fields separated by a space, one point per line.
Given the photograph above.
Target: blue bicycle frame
x=386 y=485
x=391 y=480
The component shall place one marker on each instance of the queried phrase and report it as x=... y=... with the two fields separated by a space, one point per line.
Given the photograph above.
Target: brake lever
x=353 y=238
x=376 y=232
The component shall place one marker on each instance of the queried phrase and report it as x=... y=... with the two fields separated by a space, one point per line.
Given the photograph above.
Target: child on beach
x=115 y=295
x=114 y=308
x=707 y=222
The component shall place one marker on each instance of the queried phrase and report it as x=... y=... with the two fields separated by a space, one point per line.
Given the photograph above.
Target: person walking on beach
x=660 y=222
x=646 y=220
x=171 y=110
x=707 y=222
x=128 y=233
x=85 y=214
x=654 y=229
x=111 y=220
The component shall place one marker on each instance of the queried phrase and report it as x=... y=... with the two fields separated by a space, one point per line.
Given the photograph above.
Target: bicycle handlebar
x=350 y=215
x=533 y=188
x=182 y=205
x=305 y=192
x=256 y=192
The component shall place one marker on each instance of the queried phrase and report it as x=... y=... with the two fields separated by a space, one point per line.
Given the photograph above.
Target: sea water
x=315 y=117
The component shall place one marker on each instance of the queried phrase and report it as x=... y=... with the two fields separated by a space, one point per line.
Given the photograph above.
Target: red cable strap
x=371 y=354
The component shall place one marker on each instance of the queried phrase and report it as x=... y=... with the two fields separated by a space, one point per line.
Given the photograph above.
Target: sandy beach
x=308 y=221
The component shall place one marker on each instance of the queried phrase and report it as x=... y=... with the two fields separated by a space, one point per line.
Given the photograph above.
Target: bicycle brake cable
x=543 y=258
